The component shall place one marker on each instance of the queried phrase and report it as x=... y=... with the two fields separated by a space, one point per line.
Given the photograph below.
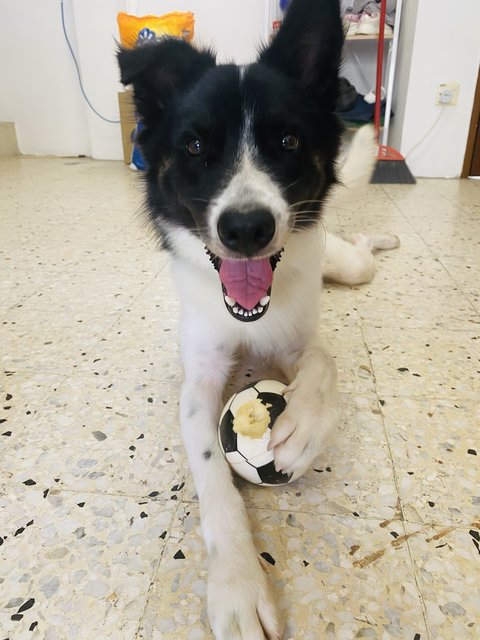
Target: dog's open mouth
x=246 y=285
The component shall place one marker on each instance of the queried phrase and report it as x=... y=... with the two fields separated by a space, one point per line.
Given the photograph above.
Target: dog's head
x=241 y=157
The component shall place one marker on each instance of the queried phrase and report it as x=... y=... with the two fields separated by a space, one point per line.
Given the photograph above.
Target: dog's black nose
x=246 y=232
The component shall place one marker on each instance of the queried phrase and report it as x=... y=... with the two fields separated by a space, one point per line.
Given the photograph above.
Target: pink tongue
x=246 y=281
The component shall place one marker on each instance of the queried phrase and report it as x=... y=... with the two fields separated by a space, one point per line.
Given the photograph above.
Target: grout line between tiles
x=397 y=488
x=419 y=590
x=431 y=250
x=345 y=516
x=157 y=570
x=406 y=217
x=458 y=285
x=326 y=514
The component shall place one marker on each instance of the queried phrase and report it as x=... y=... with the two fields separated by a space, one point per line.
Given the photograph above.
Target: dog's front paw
x=300 y=433
x=240 y=606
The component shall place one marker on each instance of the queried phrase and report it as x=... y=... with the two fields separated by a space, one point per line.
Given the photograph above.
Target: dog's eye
x=290 y=142
x=195 y=147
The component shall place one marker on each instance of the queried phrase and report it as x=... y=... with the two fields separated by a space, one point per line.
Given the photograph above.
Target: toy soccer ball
x=244 y=431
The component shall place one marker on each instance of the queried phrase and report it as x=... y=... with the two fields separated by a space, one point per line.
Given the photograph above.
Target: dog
x=241 y=161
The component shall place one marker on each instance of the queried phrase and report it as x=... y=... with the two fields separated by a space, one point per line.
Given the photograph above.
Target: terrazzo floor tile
x=85 y=242
x=466 y=271
x=22 y=394
x=24 y=273
x=447 y=563
x=347 y=345
x=71 y=293
x=391 y=307
x=18 y=284
x=373 y=220
x=435 y=363
x=120 y=438
x=130 y=252
x=434 y=193
x=418 y=271
x=54 y=343
x=451 y=231
x=431 y=440
x=454 y=241
x=143 y=343
x=339 y=578
x=338 y=306
x=77 y=565
x=75 y=315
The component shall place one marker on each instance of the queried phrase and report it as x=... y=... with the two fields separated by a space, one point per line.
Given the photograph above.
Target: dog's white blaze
x=250 y=188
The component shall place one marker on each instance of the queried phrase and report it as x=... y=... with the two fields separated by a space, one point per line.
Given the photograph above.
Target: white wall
x=446 y=48
x=402 y=70
x=38 y=88
x=7 y=103
x=40 y=91
x=97 y=32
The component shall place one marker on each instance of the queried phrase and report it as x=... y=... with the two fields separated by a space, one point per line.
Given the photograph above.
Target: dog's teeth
x=254 y=311
x=229 y=301
x=241 y=312
x=260 y=309
x=264 y=301
x=235 y=309
x=250 y=314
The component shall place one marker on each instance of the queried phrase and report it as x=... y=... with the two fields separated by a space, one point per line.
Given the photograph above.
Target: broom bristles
x=392 y=172
x=391 y=167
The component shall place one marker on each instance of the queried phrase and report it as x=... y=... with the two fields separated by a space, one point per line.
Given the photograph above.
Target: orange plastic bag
x=177 y=23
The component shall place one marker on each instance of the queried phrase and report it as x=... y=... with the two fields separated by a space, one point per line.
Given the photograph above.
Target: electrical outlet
x=447 y=94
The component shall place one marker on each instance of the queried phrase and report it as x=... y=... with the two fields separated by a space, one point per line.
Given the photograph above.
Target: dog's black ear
x=159 y=70
x=308 y=47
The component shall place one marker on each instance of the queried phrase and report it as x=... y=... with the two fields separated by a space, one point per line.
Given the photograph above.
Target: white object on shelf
x=370 y=25
x=370 y=96
x=359 y=37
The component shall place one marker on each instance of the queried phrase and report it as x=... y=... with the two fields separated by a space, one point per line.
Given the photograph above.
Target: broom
x=391 y=167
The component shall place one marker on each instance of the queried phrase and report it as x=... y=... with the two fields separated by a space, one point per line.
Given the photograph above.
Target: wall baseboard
x=8 y=139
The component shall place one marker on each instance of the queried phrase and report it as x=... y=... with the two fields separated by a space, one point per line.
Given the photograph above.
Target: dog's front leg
x=240 y=606
x=310 y=416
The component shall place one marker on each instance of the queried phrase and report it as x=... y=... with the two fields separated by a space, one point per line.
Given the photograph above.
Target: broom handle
x=378 y=88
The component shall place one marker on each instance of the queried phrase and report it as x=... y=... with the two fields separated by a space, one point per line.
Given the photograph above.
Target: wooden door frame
x=472 y=132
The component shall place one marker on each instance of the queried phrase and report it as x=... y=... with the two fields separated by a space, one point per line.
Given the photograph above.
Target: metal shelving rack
x=390 y=65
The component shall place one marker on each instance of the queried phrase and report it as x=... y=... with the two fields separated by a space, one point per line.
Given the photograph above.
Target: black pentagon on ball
x=228 y=437
x=268 y=475
x=275 y=404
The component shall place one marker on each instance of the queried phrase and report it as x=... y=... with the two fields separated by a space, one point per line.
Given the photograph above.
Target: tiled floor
x=99 y=527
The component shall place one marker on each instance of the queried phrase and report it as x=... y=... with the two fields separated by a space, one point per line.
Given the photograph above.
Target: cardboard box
x=127 y=122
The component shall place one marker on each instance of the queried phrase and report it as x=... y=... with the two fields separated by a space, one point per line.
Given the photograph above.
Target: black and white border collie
x=240 y=162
